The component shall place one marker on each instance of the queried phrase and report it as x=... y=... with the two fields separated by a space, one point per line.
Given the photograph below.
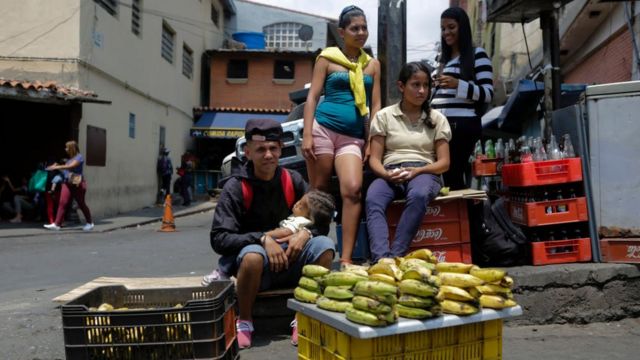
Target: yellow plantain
x=341 y=278
x=453 y=267
x=325 y=303
x=413 y=313
x=375 y=287
x=496 y=302
x=424 y=254
x=507 y=282
x=455 y=293
x=416 y=301
x=356 y=269
x=309 y=284
x=304 y=295
x=488 y=275
x=459 y=280
x=337 y=293
x=474 y=292
x=384 y=278
x=313 y=271
x=416 y=287
x=411 y=262
x=371 y=305
x=363 y=317
x=457 y=308
x=417 y=273
x=389 y=261
x=490 y=289
x=387 y=299
x=386 y=269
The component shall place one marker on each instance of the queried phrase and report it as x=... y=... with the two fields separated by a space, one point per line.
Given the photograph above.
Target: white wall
x=78 y=43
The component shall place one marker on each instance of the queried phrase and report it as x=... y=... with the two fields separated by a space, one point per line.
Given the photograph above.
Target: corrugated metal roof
x=48 y=91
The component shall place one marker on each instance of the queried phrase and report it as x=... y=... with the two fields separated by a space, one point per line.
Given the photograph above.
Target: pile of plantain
x=465 y=288
x=415 y=286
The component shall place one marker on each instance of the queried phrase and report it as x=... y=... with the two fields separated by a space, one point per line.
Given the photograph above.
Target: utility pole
x=392 y=46
x=551 y=56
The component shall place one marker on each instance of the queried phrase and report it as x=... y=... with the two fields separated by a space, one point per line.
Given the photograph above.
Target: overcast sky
x=423 y=20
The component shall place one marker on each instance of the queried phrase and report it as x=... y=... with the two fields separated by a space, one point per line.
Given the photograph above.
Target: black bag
x=501 y=243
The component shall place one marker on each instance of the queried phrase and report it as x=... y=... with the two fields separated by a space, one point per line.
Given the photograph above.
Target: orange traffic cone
x=168 y=225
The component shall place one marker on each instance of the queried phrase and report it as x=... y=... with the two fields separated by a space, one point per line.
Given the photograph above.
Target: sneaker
x=52 y=226
x=244 y=328
x=294 y=332
x=88 y=227
x=215 y=275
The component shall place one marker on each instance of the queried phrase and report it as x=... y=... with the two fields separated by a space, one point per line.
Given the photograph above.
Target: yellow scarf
x=356 y=75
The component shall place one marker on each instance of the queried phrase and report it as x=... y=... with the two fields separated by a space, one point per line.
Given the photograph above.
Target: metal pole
x=392 y=46
x=551 y=63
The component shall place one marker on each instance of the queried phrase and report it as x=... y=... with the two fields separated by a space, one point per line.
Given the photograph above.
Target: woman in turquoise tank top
x=337 y=130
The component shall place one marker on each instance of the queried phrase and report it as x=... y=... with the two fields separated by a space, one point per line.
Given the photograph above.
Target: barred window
x=284 y=35
x=111 y=6
x=187 y=61
x=168 y=40
x=136 y=16
x=237 y=69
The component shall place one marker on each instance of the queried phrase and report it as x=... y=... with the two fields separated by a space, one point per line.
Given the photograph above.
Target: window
x=215 y=16
x=96 y=146
x=187 y=61
x=168 y=39
x=132 y=125
x=284 y=69
x=284 y=35
x=136 y=18
x=237 y=69
x=111 y=6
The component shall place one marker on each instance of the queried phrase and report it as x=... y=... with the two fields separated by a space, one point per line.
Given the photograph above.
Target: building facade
x=142 y=56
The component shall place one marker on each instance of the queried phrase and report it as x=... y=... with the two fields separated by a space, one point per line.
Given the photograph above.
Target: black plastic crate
x=201 y=327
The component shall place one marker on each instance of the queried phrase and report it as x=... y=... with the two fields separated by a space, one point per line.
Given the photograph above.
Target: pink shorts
x=328 y=142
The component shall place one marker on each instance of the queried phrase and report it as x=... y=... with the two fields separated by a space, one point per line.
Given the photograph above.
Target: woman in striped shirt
x=464 y=83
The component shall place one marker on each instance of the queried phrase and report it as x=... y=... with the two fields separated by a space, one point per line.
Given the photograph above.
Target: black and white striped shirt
x=460 y=102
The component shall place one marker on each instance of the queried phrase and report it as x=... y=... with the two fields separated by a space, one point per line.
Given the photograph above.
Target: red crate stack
x=546 y=195
x=444 y=229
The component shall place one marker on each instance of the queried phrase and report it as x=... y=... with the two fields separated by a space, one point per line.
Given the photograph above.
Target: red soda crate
x=546 y=212
x=485 y=167
x=561 y=251
x=437 y=211
x=460 y=252
x=440 y=233
x=542 y=172
x=620 y=250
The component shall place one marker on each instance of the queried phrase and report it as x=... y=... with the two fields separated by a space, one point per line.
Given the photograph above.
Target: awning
x=227 y=125
x=523 y=102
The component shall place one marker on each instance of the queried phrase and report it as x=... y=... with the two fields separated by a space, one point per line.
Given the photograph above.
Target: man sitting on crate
x=259 y=261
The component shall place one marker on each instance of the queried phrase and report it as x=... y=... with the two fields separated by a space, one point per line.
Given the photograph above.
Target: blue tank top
x=338 y=111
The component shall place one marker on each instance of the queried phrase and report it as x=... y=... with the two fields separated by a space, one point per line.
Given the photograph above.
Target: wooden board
x=152 y=283
x=130 y=283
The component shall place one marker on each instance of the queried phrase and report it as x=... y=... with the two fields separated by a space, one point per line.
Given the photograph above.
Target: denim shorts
x=287 y=278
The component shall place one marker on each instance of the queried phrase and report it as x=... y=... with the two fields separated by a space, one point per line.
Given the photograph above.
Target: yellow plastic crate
x=482 y=340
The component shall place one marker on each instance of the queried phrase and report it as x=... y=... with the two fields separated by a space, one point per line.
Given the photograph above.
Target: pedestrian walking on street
x=240 y=228
x=336 y=130
x=74 y=186
x=164 y=168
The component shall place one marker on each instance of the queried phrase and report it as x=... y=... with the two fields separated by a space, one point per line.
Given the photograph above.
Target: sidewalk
x=142 y=216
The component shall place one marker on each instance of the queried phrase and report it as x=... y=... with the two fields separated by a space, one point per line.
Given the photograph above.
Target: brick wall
x=612 y=62
x=259 y=91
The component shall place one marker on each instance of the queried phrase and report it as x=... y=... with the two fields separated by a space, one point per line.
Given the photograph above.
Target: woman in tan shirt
x=409 y=152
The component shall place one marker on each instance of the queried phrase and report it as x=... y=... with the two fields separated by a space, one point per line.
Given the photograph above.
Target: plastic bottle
x=512 y=151
x=553 y=151
x=499 y=148
x=561 y=207
x=489 y=149
x=525 y=154
x=478 y=151
x=568 y=151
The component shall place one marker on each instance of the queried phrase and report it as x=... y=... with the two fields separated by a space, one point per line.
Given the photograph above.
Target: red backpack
x=287 y=188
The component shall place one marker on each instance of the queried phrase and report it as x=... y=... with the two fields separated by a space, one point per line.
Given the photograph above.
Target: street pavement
x=35 y=269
